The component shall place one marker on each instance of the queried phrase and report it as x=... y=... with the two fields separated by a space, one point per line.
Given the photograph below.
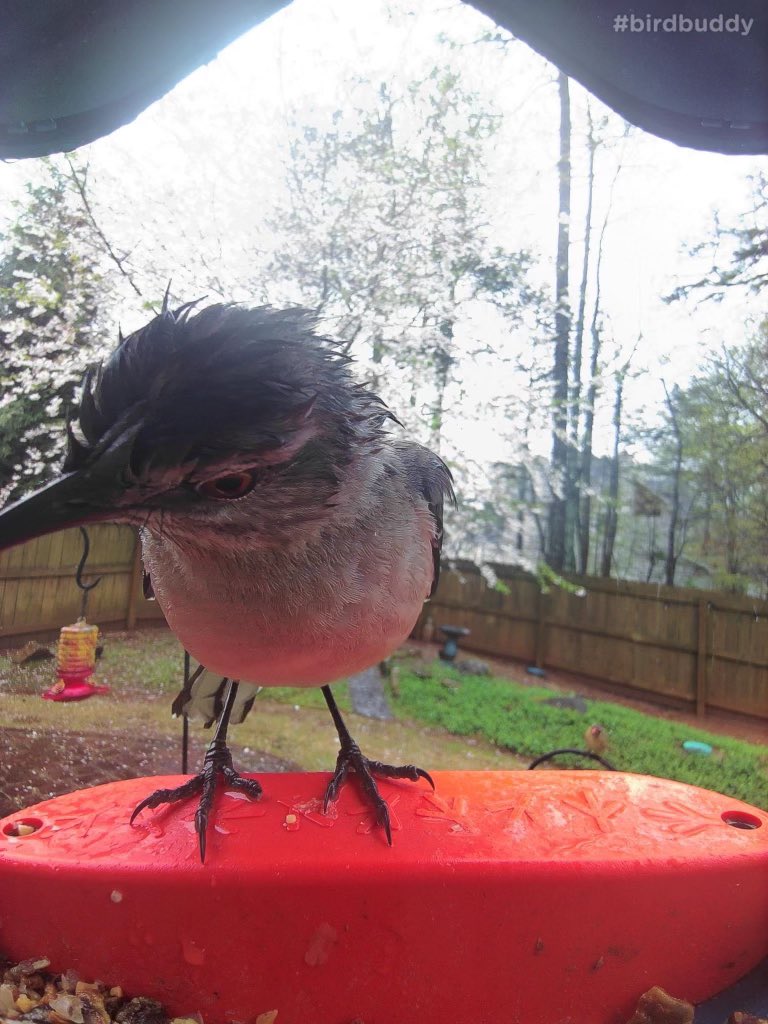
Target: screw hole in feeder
x=740 y=819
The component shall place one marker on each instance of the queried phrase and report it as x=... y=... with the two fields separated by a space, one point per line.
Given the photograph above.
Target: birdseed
x=30 y=993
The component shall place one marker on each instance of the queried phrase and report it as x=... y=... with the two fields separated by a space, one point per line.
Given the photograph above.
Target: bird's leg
x=218 y=761
x=350 y=756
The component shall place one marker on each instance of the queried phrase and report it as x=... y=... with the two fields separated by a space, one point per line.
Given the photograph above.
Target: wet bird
x=289 y=536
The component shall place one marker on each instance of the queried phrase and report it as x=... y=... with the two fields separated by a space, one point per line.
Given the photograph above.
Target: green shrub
x=513 y=716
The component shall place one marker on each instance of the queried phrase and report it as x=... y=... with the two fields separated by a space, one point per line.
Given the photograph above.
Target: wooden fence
x=689 y=648
x=38 y=593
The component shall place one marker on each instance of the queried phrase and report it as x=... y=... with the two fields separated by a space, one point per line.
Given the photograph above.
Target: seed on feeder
x=17 y=829
x=25 y=968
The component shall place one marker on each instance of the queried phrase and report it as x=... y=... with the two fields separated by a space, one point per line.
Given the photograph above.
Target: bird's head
x=227 y=421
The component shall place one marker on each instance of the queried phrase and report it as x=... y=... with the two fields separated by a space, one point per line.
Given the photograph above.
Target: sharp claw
x=167 y=796
x=204 y=783
x=201 y=824
x=331 y=792
x=365 y=769
x=338 y=780
x=138 y=809
x=249 y=786
x=383 y=816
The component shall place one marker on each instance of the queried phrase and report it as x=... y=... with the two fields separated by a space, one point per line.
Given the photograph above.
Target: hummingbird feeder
x=76 y=650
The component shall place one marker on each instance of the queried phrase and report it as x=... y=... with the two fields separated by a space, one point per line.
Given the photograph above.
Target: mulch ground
x=36 y=766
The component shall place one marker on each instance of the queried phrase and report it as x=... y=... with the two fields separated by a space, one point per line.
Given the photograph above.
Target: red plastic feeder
x=539 y=897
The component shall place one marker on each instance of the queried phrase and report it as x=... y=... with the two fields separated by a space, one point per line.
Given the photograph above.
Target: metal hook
x=85 y=587
x=571 y=750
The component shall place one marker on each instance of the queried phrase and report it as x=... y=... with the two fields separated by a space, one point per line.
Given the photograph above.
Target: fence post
x=541 y=629
x=135 y=584
x=702 y=617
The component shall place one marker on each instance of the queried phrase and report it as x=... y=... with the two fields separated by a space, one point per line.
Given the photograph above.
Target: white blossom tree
x=52 y=323
x=384 y=231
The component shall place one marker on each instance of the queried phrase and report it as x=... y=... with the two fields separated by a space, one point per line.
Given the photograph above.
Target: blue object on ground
x=534 y=670
x=696 y=747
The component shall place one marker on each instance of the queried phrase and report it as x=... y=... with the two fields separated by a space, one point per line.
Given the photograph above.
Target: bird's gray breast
x=304 y=613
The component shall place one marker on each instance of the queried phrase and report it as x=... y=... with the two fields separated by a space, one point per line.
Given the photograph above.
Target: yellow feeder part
x=76 y=652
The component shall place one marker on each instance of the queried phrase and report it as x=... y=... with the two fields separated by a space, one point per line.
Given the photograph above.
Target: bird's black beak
x=75 y=498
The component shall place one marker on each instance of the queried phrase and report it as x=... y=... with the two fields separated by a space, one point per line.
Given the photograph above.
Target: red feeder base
x=73 y=691
x=539 y=897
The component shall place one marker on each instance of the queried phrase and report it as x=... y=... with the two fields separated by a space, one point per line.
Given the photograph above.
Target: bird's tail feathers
x=202 y=697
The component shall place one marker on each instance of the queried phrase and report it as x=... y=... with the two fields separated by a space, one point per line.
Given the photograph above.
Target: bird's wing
x=429 y=476
x=202 y=697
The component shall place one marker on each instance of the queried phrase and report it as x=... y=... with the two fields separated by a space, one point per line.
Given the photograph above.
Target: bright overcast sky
x=664 y=197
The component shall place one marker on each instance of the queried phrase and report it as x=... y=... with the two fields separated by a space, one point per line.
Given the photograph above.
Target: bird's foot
x=350 y=756
x=217 y=763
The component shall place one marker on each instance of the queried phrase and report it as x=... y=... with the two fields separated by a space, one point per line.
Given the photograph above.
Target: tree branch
x=79 y=184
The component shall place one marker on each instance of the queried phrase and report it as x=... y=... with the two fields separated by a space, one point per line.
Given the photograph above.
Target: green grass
x=513 y=716
x=151 y=660
x=501 y=717
x=308 y=696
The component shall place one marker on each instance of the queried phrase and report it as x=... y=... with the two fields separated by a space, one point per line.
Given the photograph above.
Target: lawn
x=47 y=748
x=442 y=720
x=514 y=717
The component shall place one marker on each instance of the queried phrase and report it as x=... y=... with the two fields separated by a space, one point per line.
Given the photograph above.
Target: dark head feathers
x=197 y=387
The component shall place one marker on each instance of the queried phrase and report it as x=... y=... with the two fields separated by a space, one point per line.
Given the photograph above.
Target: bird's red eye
x=233 y=485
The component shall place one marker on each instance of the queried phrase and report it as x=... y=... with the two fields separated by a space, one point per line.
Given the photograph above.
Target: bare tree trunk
x=557 y=541
x=732 y=553
x=575 y=463
x=442 y=361
x=524 y=500
x=612 y=505
x=585 y=469
x=585 y=514
x=652 y=557
x=670 y=561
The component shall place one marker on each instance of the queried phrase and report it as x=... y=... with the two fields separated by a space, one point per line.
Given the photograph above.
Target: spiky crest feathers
x=197 y=387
